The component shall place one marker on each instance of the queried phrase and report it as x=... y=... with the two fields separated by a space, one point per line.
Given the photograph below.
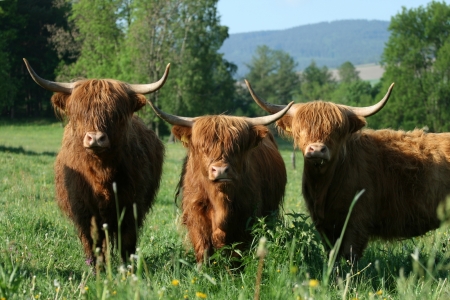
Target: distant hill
x=328 y=44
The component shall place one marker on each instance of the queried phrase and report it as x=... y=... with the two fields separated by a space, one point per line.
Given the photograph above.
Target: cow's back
x=406 y=176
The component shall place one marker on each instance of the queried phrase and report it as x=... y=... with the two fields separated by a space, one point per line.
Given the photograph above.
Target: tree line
x=133 y=40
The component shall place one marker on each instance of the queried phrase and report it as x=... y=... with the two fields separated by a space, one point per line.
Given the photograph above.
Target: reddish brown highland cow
x=233 y=172
x=104 y=142
x=405 y=175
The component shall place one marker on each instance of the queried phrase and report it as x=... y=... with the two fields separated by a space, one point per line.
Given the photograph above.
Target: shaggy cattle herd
x=109 y=168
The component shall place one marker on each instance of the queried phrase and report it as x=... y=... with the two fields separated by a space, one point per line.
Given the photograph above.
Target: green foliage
x=24 y=34
x=100 y=37
x=316 y=83
x=416 y=58
x=272 y=74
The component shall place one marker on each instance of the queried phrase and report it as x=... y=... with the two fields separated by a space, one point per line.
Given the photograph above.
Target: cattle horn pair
x=359 y=111
x=189 y=122
x=67 y=87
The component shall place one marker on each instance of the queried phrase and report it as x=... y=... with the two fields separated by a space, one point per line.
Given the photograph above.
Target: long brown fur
x=405 y=176
x=84 y=180
x=218 y=214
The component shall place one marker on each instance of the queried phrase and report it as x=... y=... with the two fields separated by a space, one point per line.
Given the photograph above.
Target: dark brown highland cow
x=104 y=142
x=233 y=172
x=405 y=175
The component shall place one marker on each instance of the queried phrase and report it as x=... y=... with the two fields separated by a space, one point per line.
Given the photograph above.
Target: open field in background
x=41 y=257
x=369 y=72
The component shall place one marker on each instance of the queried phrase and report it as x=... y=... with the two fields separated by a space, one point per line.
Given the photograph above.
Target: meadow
x=41 y=256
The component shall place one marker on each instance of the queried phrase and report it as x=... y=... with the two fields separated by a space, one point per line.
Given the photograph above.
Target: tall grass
x=41 y=257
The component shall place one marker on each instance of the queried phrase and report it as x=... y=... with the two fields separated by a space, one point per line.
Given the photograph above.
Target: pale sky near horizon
x=259 y=15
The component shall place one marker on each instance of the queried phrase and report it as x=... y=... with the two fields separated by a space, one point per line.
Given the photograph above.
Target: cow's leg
x=84 y=234
x=128 y=238
x=218 y=237
x=354 y=242
x=199 y=229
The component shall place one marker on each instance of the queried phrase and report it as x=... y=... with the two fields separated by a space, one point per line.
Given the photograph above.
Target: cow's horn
x=371 y=110
x=172 y=119
x=271 y=108
x=57 y=87
x=266 y=120
x=150 y=87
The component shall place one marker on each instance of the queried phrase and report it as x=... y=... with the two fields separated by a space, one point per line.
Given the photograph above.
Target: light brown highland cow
x=104 y=142
x=405 y=174
x=232 y=174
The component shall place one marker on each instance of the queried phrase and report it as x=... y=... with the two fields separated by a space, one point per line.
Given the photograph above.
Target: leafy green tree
x=351 y=90
x=24 y=34
x=187 y=34
x=348 y=73
x=100 y=36
x=416 y=58
x=316 y=83
x=272 y=74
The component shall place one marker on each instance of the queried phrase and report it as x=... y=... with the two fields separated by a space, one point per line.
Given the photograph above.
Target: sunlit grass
x=41 y=257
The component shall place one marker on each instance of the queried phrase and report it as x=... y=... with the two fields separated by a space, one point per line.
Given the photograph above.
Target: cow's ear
x=285 y=124
x=59 y=101
x=259 y=132
x=182 y=133
x=140 y=101
x=356 y=122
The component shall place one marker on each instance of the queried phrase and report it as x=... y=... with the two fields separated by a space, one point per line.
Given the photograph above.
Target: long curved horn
x=266 y=120
x=57 y=87
x=172 y=119
x=271 y=108
x=371 y=110
x=150 y=87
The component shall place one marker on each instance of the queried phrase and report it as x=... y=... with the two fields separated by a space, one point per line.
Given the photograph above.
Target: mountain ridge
x=327 y=43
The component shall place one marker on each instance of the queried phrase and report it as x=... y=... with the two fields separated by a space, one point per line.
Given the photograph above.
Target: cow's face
x=219 y=145
x=320 y=130
x=98 y=112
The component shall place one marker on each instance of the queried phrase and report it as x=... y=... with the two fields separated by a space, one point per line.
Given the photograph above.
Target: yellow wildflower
x=313 y=283
x=200 y=295
x=175 y=282
x=380 y=292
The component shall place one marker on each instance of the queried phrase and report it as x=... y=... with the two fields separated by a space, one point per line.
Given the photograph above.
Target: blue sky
x=256 y=15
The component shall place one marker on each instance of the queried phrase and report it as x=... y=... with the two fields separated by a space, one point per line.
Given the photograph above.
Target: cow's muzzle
x=317 y=153
x=219 y=173
x=96 y=140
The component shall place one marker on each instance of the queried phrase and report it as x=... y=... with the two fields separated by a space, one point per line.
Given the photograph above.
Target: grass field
x=41 y=256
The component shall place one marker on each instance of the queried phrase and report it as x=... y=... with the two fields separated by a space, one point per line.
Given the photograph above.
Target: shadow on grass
x=20 y=150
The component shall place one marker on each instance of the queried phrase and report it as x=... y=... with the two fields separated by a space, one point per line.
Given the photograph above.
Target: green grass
x=41 y=257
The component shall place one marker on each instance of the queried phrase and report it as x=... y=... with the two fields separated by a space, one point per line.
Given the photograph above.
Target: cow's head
x=320 y=128
x=219 y=144
x=98 y=110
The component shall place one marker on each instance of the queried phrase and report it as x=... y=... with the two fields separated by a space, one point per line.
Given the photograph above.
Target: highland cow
x=404 y=174
x=105 y=143
x=232 y=174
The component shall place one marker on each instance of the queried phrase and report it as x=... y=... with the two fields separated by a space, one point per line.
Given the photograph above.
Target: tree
x=351 y=90
x=100 y=36
x=272 y=74
x=348 y=73
x=416 y=58
x=187 y=34
x=316 y=83
x=24 y=34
